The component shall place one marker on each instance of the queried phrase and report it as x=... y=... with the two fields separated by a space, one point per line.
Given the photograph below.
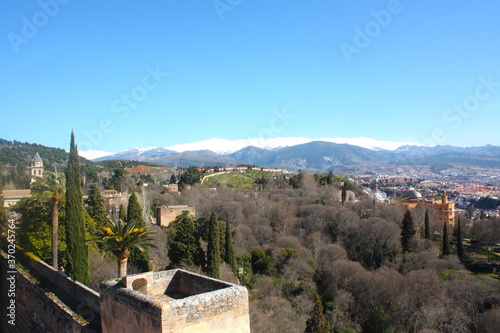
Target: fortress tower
x=175 y=301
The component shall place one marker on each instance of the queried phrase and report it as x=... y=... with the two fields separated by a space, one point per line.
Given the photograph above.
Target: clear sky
x=127 y=74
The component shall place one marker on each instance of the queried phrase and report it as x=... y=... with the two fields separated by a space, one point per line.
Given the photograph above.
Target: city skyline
x=167 y=73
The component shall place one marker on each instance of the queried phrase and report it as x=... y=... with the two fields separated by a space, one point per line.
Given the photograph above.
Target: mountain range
x=318 y=155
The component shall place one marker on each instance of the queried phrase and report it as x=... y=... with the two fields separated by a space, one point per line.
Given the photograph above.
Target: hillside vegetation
x=16 y=157
x=292 y=243
x=298 y=239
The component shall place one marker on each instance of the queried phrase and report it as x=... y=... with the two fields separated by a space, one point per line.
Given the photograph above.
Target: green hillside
x=233 y=180
x=247 y=179
x=16 y=156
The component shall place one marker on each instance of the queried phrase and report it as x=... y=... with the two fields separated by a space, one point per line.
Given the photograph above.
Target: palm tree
x=120 y=237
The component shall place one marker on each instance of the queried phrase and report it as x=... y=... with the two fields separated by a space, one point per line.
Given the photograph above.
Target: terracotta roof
x=146 y=169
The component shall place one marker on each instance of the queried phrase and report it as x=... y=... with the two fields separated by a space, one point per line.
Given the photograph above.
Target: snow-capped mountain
x=225 y=147
x=344 y=155
x=221 y=146
x=93 y=154
x=138 y=154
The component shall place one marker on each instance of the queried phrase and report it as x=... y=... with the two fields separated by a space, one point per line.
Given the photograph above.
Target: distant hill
x=15 y=153
x=315 y=156
x=320 y=156
x=15 y=160
x=162 y=156
x=16 y=156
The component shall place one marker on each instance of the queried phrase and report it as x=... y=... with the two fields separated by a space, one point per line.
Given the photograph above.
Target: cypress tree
x=427 y=226
x=407 y=231
x=77 y=251
x=122 y=213
x=229 y=256
x=213 y=248
x=138 y=258
x=318 y=323
x=95 y=208
x=460 y=241
x=330 y=178
x=445 y=250
x=184 y=248
x=343 y=193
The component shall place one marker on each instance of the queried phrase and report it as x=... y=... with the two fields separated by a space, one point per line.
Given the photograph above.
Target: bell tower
x=36 y=169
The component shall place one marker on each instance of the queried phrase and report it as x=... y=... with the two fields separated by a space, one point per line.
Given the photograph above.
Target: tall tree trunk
x=122 y=267
x=55 y=227
x=122 y=259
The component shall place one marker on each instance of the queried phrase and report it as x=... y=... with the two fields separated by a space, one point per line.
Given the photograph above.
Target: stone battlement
x=173 y=301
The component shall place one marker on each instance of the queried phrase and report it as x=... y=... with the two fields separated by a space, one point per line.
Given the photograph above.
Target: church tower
x=36 y=168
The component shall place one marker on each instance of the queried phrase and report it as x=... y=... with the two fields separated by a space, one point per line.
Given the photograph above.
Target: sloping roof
x=15 y=193
x=37 y=158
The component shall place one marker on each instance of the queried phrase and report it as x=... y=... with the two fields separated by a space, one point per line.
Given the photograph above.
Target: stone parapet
x=173 y=301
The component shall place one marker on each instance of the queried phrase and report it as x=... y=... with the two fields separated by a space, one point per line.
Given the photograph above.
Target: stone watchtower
x=175 y=301
x=36 y=169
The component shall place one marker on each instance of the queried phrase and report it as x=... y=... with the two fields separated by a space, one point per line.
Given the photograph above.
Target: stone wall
x=174 y=301
x=169 y=301
x=224 y=310
x=167 y=214
x=141 y=313
x=85 y=296
x=38 y=306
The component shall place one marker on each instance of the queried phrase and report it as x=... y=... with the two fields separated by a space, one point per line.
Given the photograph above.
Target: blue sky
x=127 y=74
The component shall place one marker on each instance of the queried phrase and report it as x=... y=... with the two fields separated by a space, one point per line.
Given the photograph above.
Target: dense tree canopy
x=34 y=234
x=290 y=243
x=184 y=248
x=95 y=209
x=190 y=177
